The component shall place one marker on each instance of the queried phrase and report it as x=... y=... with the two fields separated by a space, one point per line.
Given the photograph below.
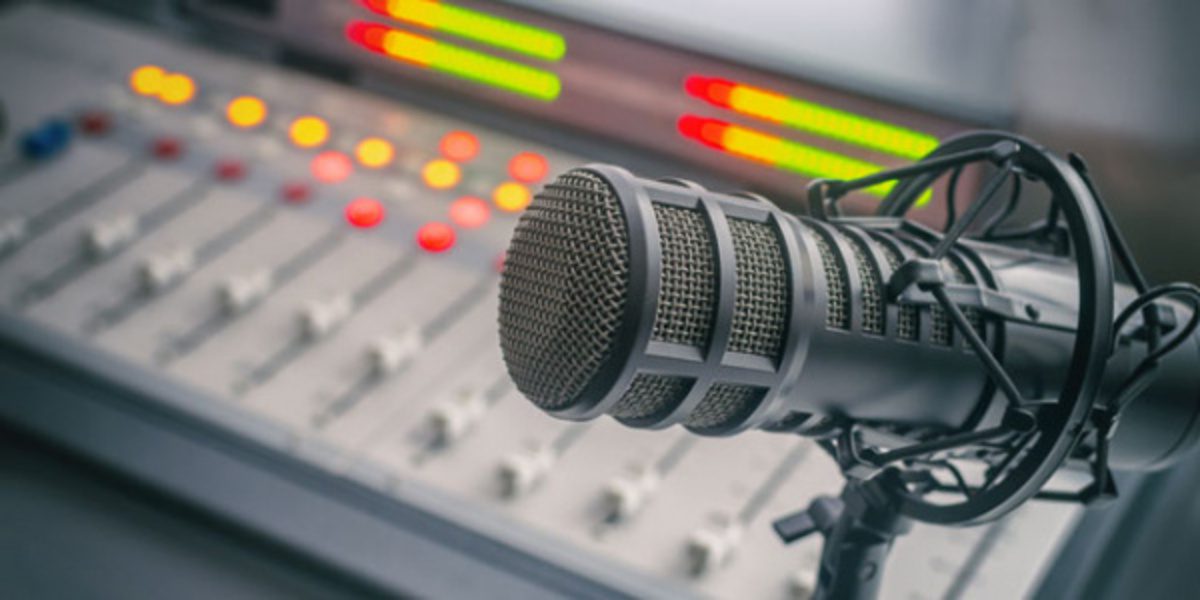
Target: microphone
x=949 y=375
x=662 y=303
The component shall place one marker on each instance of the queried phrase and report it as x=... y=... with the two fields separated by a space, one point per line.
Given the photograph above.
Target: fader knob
x=710 y=548
x=162 y=271
x=12 y=234
x=451 y=420
x=387 y=354
x=243 y=291
x=320 y=317
x=625 y=495
x=104 y=238
x=522 y=472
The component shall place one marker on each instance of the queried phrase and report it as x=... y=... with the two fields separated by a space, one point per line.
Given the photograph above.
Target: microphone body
x=662 y=303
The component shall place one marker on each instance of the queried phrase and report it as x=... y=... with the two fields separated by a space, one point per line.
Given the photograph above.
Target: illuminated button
x=435 y=237
x=441 y=174
x=160 y=272
x=241 y=292
x=295 y=192
x=624 y=496
x=320 y=317
x=105 y=238
x=450 y=421
x=365 y=212
x=147 y=80
x=309 y=131
x=331 y=167
x=167 y=148
x=374 y=152
x=470 y=212
x=177 y=89
x=12 y=234
x=459 y=145
x=522 y=472
x=708 y=549
x=246 y=111
x=230 y=169
x=387 y=354
x=528 y=167
x=95 y=122
x=511 y=196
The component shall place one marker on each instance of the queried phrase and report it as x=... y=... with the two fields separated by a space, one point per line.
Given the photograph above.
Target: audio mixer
x=309 y=268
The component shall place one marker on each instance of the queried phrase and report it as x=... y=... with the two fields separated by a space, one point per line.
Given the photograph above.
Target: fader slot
x=181 y=344
x=162 y=273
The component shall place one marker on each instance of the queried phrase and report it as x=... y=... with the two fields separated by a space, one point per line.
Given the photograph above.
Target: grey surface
x=70 y=530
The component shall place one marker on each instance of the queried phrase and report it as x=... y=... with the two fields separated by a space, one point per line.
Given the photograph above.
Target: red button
x=435 y=237
x=365 y=212
x=296 y=192
x=528 y=167
x=167 y=148
x=95 y=122
x=230 y=169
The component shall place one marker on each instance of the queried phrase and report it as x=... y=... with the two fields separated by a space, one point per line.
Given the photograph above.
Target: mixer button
x=167 y=148
x=12 y=234
x=452 y=420
x=387 y=354
x=296 y=192
x=105 y=238
x=230 y=169
x=46 y=140
x=95 y=122
x=162 y=271
x=521 y=472
x=243 y=291
x=320 y=317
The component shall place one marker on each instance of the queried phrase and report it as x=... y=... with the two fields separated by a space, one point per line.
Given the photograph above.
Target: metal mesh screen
x=761 y=294
x=837 y=313
x=872 y=299
x=651 y=395
x=723 y=404
x=688 y=295
x=562 y=296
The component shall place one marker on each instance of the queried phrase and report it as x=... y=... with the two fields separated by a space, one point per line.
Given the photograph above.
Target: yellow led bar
x=811 y=117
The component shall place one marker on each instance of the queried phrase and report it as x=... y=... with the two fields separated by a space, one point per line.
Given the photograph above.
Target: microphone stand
x=859 y=528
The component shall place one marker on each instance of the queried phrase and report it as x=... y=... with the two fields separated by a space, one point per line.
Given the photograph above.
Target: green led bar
x=476 y=26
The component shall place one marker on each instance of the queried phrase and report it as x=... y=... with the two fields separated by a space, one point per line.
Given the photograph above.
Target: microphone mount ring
x=1049 y=430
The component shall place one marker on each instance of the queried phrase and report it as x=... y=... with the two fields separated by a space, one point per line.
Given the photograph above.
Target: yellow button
x=147 y=80
x=374 y=152
x=441 y=174
x=309 y=131
x=511 y=196
x=177 y=89
x=246 y=111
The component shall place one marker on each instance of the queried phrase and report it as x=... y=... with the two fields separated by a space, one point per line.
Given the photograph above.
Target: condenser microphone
x=661 y=303
x=949 y=376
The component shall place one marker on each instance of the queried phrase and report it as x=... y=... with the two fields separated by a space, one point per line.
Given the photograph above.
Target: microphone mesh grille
x=837 y=313
x=761 y=294
x=723 y=404
x=564 y=288
x=872 y=301
x=651 y=395
x=688 y=295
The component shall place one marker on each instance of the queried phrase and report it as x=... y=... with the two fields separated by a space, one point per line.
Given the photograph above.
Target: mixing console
x=324 y=263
